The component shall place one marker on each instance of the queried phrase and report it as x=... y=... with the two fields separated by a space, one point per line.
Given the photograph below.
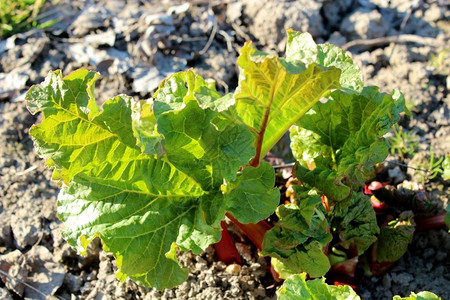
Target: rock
x=402 y=279
x=271 y=31
x=337 y=39
x=434 y=13
x=233 y=269
x=396 y=175
x=107 y=37
x=26 y=229
x=46 y=275
x=91 y=18
x=334 y=11
x=364 y=24
x=234 y=12
x=73 y=283
x=11 y=83
x=15 y=265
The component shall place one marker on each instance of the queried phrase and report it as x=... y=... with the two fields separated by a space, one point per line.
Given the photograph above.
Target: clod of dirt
x=26 y=229
x=271 y=31
x=45 y=275
x=364 y=24
x=15 y=266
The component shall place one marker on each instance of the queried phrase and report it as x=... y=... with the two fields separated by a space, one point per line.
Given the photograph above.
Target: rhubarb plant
x=298 y=287
x=155 y=176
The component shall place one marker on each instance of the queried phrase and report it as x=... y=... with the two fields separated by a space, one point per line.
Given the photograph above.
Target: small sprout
x=403 y=143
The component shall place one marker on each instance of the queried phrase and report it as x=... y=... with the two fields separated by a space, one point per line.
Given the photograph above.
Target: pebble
x=233 y=269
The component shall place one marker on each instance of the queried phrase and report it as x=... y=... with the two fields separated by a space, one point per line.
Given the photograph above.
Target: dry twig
x=403 y=38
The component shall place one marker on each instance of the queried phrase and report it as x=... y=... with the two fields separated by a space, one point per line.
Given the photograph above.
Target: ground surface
x=134 y=46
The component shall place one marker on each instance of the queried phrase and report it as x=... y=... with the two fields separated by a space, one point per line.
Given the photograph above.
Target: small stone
x=14 y=263
x=396 y=175
x=402 y=278
x=73 y=283
x=441 y=255
x=233 y=269
x=428 y=252
x=364 y=24
x=27 y=231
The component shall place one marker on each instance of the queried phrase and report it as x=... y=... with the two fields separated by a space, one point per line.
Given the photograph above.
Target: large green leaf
x=144 y=182
x=296 y=287
x=343 y=139
x=137 y=220
x=74 y=134
x=193 y=141
x=273 y=93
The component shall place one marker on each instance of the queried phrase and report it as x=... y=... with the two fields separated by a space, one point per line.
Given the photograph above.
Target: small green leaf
x=145 y=129
x=301 y=48
x=296 y=287
x=298 y=239
x=355 y=222
x=252 y=196
x=419 y=296
x=395 y=237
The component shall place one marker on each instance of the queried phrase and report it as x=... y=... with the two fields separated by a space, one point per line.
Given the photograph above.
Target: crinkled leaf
x=252 y=197
x=355 y=222
x=75 y=135
x=137 y=222
x=273 y=93
x=192 y=140
x=142 y=206
x=395 y=237
x=145 y=129
x=301 y=48
x=324 y=180
x=345 y=139
x=297 y=241
x=296 y=287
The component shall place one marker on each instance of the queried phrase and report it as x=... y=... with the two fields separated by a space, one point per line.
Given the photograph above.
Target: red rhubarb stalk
x=225 y=249
x=430 y=222
x=255 y=232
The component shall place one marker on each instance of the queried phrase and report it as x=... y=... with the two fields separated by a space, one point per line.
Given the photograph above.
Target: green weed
x=403 y=143
x=20 y=15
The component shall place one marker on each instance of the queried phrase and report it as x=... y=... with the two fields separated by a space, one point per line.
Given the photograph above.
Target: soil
x=134 y=45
